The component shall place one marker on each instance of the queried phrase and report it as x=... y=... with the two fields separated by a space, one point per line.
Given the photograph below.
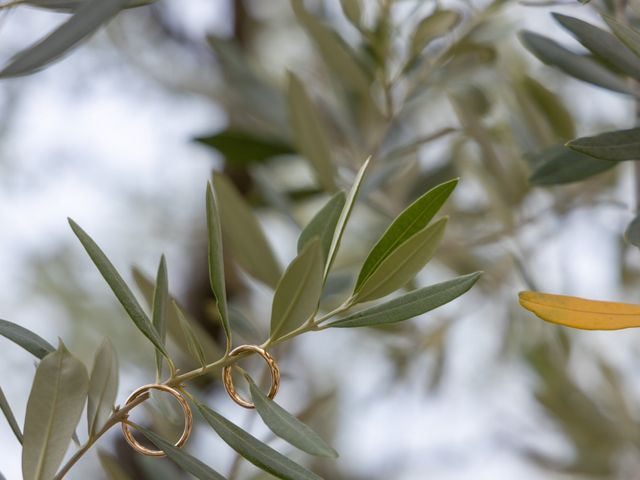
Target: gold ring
x=227 y=379
x=188 y=419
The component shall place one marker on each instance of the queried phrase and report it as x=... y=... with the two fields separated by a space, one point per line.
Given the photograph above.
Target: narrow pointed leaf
x=252 y=449
x=119 y=288
x=411 y=304
x=70 y=6
x=632 y=232
x=602 y=44
x=298 y=293
x=54 y=407
x=344 y=217
x=402 y=264
x=627 y=35
x=437 y=24
x=413 y=219
x=323 y=224
x=559 y=165
x=32 y=343
x=244 y=234
x=577 y=66
x=581 y=313
x=159 y=310
x=181 y=458
x=288 y=427
x=241 y=149
x=103 y=387
x=216 y=261
x=614 y=146
x=310 y=134
x=111 y=467
x=8 y=414
x=87 y=19
x=193 y=344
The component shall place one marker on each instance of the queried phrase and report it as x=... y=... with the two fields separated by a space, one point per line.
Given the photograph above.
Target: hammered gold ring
x=227 y=378
x=188 y=419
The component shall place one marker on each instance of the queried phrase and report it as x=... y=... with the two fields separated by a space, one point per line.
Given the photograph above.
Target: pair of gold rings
x=227 y=380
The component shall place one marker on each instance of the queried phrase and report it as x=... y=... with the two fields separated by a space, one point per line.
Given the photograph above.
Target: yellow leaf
x=581 y=313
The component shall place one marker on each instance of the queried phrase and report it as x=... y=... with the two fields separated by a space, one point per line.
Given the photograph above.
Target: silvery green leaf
x=310 y=134
x=103 y=387
x=193 y=344
x=159 y=310
x=181 y=458
x=87 y=19
x=8 y=414
x=288 y=427
x=627 y=35
x=122 y=292
x=252 y=449
x=411 y=304
x=616 y=146
x=323 y=224
x=559 y=165
x=244 y=235
x=437 y=24
x=32 y=343
x=56 y=401
x=216 y=261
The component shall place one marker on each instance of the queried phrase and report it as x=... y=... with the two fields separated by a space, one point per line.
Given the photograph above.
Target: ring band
x=188 y=419
x=227 y=378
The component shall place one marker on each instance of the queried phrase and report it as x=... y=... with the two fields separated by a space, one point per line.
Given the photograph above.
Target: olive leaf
x=614 y=146
x=344 y=217
x=410 y=304
x=286 y=426
x=70 y=6
x=437 y=24
x=558 y=165
x=216 y=261
x=413 y=219
x=8 y=414
x=159 y=310
x=193 y=344
x=309 y=132
x=181 y=458
x=298 y=292
x=122 y=292
x=632 y=232
x=577 y=66
x=32 y=343
x=87 y=20
x=581 y=313
x=111 y=467
x=244 y=234
x=103 y=387
x=402 y=264
x=241 y=148
x=252 y=449
x=323 y=224
x=627 y=35
x=56 y=401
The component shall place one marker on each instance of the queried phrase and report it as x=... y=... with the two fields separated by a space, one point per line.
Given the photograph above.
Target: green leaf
x=103 y=387
x=193 y=344
x=602 y=44
x=298 y=293
x=32 y=343
x=558 y=165
x=243 y=148
x=70 y=6
x=401 y=265
x=352 y=9
x=323 y=224
x=119 y=288
x=411 y=304
x=577 y=66
x=632 y=232
x=8 y=414
x=614 y=146
x=185 y=461
x=159 y=310
x=87 y=19
x=344 y=217
x=111 y=467
x=627 y=35
x=288 y=427
x=309 y=132
x=436 y=25
x=256 y=452
x=244 y=234
x=413 y=219
x=335 y=53
x=552 y=107
x=54 y=407
x=216 y=261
